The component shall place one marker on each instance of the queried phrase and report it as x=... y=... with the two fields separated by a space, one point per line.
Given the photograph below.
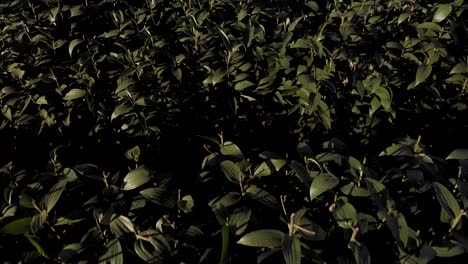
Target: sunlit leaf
x=268 y=238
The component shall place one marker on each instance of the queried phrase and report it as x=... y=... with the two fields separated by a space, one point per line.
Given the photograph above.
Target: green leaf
x=459 y=68
x=446 y=200
x=268 y=238
x=231 y=170
x=448 y=249
x=136 y=178
x=231 y=149
x=240 y=86
x=353 y=189
x=51 y=198
x=322 y=183
x=35 y=242
x=74 y=94
x=261 y=196
x=301 y=173
x=291 y=249
x=423 y=72
x=399 y=228
x=262 y=170
x=122 y=84
x=239 y=220
x=360 y=252
x=121 y=109
x=160 y=196
x=70 y=251
x=113 y=253
x=458 y=154
x=380 y=195
x=73 y=44
x=121 y=225
x=441 y=13
x=76 y=11
x=16 y=227
x=345 y=214
x=225 y=244
x=227 y=200
x=186 y=203
x=403 y=17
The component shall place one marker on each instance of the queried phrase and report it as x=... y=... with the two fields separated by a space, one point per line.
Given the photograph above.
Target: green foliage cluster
x=342 y=110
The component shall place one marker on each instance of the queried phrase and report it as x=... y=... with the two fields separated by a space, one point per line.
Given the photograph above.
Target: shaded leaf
x=51 y=198
x=121 y=225
x=291 y=249
x=360 y=252
x=458 y=154
x=345 y=214
x=424 y=70
x=261 y=196
x=225 y=201
x=113 y=253
x=446 y=200
x=16 y=227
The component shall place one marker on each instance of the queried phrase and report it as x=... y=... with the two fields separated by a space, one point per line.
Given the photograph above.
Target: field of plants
x=234 y=131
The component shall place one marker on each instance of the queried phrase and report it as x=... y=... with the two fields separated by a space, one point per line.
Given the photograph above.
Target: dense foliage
x=349 y=120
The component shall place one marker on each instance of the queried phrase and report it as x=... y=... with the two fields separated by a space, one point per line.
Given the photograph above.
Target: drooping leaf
x=74 y=94
x=269 y=238
x=36 y=243
x=291 y=249
x=380 y=195
x=136 y=178
x=322 y=183
x=73 y=44
x=446 y=200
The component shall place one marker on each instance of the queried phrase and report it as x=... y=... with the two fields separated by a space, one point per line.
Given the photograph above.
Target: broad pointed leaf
x=231 y=170
x=322 y=183
x=269 y=238
x=136 y=178
x=291 y=249
x=447 y=200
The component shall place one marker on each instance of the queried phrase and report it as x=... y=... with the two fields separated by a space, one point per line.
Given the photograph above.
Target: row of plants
x=325 y=207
